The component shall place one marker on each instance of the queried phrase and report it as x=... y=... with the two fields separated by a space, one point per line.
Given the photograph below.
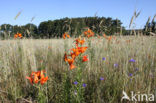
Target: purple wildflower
x=115 y=65
x=103 y=58
x=101 y=78
x=84 y=85
x=75 y=82
x=130 y=74
x=131 y=60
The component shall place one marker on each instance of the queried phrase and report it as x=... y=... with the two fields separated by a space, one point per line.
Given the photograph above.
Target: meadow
x=125 y=63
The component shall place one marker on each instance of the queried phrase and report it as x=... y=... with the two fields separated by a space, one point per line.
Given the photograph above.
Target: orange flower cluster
x=35 y=77
x=66 y=35
x=76 y=52
x=89 y=33
x=18 y=35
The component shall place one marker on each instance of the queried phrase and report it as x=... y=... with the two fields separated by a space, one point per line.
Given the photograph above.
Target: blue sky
x=45 y=10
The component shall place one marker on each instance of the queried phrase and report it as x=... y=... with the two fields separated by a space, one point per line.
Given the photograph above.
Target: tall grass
x=18 y=58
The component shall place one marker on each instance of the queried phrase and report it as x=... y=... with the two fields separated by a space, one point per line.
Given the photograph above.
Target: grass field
x=126 y=63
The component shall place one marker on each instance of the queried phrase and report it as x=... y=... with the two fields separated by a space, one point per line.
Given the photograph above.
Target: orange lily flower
x=76 y=51
x=72 y=66
x=65 y=57
x=42 y=73
x=18 y=35
x=73 y=55
x=66 y=35
x=104 y=35
x=89 y=33
x=15 y=36
x=84 y=59
x=43 y=80
x=70 y=61
x=30 y=79
x=109 y=38
x=82 y=49
x=35 y=77
x=79 y=41
x=85 y=33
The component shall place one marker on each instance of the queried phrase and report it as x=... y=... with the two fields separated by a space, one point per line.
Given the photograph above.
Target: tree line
x=73 y=26
x=56 y=28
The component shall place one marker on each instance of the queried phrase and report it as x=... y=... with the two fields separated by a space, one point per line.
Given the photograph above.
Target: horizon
x=52 y=10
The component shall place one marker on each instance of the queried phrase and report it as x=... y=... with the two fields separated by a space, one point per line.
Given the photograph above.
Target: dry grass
x=19 y=57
